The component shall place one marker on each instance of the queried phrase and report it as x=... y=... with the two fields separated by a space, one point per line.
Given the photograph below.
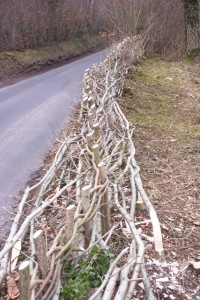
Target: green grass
x=157 y=96
x=15 y=62
x=193 y=54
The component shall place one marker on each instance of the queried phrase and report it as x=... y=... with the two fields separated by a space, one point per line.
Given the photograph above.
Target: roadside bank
x=15 y=65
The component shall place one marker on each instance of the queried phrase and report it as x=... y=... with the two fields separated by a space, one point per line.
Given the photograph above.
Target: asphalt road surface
x=32 y=114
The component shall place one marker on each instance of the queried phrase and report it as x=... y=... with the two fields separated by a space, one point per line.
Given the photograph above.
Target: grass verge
x=14 y=63
x=162 y=100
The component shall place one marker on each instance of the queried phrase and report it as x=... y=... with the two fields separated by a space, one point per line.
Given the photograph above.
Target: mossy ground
x=162 y=100
x=194 y=55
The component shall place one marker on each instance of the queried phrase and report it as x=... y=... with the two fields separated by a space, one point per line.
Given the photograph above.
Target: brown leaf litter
x=162 y=100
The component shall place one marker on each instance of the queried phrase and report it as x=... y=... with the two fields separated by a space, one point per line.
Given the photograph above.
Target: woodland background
x=38 y=23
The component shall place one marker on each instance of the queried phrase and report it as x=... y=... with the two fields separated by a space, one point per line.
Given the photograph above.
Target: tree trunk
x=192 y=20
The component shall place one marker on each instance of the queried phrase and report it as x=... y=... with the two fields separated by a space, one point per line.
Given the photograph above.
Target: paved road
x=32 y=113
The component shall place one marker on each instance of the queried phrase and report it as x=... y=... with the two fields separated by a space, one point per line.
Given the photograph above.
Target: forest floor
x=162 y=100
x=17 y=65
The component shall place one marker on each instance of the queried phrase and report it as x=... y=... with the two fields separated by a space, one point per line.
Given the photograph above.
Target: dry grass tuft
x=163 y=103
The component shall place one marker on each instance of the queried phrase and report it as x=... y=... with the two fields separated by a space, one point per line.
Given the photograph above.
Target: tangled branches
x=73 y=203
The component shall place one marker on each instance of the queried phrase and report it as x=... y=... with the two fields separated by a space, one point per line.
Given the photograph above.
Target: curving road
x=32 y=114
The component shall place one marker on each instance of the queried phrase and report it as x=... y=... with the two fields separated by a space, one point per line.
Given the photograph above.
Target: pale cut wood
x=41 y=253
x=140 y=203
x=15 y=254
x=85 y=198
x=91 y=119
x=105 y=205
x=96 y=152
x=90 y=102
x=85 y=100
x=24 y=280
x=159 y=250
x=91 y=292
x=93 y=110
x=90 y=139
x=96 y=128
x=149 y=292
x=69 y=225
x=56 y=296
x=110 y=288
x=97 y=101
x=124 y=274
x=92 y=115
x=123 y=285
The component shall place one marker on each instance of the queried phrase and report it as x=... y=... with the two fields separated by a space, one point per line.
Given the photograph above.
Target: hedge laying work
x=74 y=235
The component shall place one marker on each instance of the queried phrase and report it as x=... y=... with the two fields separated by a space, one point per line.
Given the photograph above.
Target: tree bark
x=192 y=23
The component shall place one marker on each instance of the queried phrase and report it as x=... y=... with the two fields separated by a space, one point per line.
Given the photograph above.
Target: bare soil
x=162 y=100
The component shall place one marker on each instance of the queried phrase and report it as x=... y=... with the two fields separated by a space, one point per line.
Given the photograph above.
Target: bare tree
x=192 y=22
x=160 y=21
x=33 y=23
x=122 y=18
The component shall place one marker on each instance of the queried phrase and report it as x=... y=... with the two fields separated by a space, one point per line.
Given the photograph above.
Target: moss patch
x=193 y=54
x=165 y=95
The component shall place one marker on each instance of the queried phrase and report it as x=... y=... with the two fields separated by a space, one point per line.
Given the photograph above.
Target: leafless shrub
x=167 y=33
x=161 y=22
x=32 y=23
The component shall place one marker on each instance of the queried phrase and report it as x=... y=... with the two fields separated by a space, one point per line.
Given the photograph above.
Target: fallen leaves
x=167 y=129
x=13 y=292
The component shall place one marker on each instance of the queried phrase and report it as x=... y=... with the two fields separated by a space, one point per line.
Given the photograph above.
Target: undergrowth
x=193 y=54
x=88 y=273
